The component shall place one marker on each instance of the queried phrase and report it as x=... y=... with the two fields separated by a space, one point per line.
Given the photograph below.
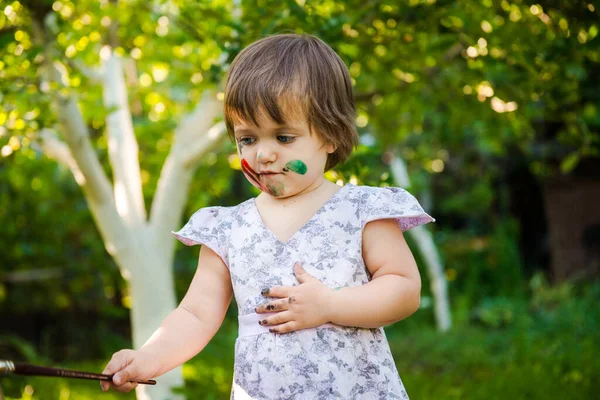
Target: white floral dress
x=328 y=362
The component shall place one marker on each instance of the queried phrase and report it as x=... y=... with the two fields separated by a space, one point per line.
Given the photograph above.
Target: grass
x=545 y=347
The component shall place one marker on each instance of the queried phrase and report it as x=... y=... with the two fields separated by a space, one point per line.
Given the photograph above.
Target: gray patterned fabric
x=324 y=362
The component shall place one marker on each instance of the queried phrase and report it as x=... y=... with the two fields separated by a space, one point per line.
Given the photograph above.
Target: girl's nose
x=265 y=155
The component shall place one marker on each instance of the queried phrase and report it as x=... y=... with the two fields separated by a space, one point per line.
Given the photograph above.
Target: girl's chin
x=270 y=177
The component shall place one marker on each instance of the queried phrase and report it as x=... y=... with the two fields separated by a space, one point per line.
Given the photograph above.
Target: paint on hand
x=296 y=166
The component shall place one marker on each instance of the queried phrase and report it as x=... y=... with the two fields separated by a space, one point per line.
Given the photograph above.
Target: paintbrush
x=9 y=367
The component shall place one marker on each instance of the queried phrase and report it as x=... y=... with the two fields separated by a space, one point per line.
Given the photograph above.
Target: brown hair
x=294 y=70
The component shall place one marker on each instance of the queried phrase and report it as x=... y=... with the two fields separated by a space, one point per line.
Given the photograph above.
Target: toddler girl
x=316 y=269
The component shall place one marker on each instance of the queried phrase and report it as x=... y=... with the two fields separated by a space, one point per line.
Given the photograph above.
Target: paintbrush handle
x=35 y=370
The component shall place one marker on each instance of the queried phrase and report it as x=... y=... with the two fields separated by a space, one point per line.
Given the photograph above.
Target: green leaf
x=569 y=163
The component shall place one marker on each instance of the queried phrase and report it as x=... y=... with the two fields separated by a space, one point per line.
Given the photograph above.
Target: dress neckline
x=308 y=222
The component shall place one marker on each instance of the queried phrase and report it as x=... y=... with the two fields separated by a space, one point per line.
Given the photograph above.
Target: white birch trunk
x=142 y=249
x=122 y=144
x=149 y=275
x=429 y=252
x=153 y=298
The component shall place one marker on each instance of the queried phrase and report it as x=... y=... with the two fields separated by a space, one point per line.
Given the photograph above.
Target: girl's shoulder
x=218 y=214
x=211 y=226
x=388 y=202
x=373 y=195
x=207 y=221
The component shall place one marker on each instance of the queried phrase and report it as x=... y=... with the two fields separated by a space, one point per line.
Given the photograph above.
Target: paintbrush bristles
x=6 y=367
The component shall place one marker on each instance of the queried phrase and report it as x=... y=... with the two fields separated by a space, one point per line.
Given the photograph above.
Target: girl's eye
x=285 y=139
x=246 y=141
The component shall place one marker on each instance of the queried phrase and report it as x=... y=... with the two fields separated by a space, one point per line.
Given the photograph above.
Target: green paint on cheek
x=275 y=190
x=297 y=166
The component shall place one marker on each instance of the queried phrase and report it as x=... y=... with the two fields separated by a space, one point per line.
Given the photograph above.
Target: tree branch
x=194 y=153
x=53 y=147
x=77 y=136
x=200 y=120
x=94 y=75
x=188 y=148
x=81 y=156
x=122 y=144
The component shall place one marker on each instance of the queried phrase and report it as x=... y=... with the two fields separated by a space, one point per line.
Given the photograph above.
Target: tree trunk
x=153 y=298
x=428 y=250
x=143 y=248
x=573 y=219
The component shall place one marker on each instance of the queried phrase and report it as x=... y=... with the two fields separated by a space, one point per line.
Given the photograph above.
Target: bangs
x=274 y=81
x=279 y=108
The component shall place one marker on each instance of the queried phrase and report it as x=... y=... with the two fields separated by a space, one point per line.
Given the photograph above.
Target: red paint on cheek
x=248 y=167
x=251 y=174
x=273 y=190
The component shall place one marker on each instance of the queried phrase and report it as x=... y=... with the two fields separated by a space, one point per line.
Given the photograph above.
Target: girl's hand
x=127 y=365
x=297 y=307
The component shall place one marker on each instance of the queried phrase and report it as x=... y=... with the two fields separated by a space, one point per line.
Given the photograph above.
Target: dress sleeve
x=207 y=227
x=392 y=202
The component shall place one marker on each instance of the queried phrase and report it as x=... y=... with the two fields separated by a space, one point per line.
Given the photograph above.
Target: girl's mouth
x=270 y=187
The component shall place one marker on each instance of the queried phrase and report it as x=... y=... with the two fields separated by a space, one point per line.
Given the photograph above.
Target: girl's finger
x=276 y=305
x=276 y=291
x=301 y=275
x=277 y=319
x=290 y=326
x=126 y=387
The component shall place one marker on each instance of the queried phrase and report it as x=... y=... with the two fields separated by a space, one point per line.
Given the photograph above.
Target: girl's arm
x=394 y=291
x=392 y=294
x=185 y=331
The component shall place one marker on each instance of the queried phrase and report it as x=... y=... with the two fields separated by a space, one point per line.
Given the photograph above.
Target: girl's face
x=281 y=160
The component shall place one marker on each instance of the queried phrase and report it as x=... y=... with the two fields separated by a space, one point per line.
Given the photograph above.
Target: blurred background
x=487 y=111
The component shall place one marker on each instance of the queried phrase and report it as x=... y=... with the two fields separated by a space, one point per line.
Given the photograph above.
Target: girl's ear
x=330 y=148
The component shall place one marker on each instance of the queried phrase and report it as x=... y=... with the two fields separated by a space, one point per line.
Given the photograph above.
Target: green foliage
x=545 y=296
x=480 y=266
x=458 y=89
x=520 y=351
x=544 y=350
x=51 y=253
x=496 y=312
x=16 y=348
x=460 y=78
